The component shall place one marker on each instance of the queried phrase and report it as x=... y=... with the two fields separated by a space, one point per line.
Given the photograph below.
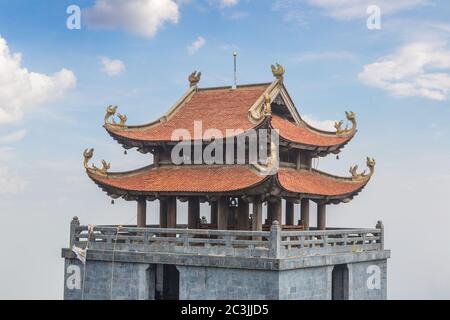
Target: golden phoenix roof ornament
x=194 y=78
x=88 y=154
x=370 y=162
x=351 y=116
x=109 y=117
x=278 y=71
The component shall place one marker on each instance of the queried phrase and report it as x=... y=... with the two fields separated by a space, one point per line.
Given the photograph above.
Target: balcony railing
x=266 y=244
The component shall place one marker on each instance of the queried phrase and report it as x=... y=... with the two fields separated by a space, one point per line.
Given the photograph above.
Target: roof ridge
x=249 y=85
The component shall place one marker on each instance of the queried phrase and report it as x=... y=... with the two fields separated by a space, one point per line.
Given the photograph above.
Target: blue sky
x=396 y=79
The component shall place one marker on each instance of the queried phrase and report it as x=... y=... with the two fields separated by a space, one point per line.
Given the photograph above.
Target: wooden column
x=304 y=213
x=214 y=211
x=289 y=213
x=193 y=212
x=243 y=215
x=257 y=216
x=321 y=216
x=171 y=212
x=222 y=213
x=270 y=210
x=276 y=211
x=141 y=213
x=163 y=213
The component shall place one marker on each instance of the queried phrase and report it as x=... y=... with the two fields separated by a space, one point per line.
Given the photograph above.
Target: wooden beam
x=289 y=213
x=321 y=216
x=222 y=216
x=142 y=213
x=243 y=215
x=304 y=213
x=193 y=212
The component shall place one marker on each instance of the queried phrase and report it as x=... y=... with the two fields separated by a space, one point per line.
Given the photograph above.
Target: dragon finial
x=110 y=112
x=278 y=71
x=88 y=154
x=109 y=117
x=371 y=165
x=271 y=165
x=194 y=78
x=267 y=105
x=360 y=176
x=350 y=117
x=123 y=119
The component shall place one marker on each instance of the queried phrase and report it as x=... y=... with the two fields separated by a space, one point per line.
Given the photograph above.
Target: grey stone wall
x=197 y=283
x=305 y=284
x=131 y=281
x=307 y=278
x=368 y=280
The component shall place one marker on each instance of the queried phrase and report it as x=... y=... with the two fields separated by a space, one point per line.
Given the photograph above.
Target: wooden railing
x=270 y=244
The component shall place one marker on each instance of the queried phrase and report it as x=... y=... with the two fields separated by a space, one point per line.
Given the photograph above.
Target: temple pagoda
x=246 y=151
x=229 y=184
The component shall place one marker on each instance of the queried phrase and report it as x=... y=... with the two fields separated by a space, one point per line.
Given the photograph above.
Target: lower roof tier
x=227 y=180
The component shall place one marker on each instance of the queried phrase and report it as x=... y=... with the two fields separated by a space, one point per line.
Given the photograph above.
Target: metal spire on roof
x=235 y=70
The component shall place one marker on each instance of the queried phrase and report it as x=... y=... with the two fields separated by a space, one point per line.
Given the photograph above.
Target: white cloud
x=141 y=17
x=353 y=9
x=112 y=67
x=196 y=45
x=295 y=11
x=418 y=69
x=327 y=125
x=22 y=90
x=13 y=137
x=10 y=183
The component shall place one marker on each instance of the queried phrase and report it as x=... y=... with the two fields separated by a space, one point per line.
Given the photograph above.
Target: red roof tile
x=312 y=182
x=221 y=109
x=291 y=132
x=211 y=179
x=183 y=179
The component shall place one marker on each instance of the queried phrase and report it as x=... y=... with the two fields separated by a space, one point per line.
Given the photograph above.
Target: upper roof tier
x=240 y=109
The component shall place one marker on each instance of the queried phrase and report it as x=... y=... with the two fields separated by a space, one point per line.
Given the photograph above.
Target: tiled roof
x=183 y=179
x=216 y=179
x=315 y=183
x=305 y=136
x=220 y=108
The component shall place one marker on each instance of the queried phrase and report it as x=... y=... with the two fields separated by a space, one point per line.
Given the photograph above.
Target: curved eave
x=306 y=138
x=320 y=186
x=182 y=180
x=144 y=145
